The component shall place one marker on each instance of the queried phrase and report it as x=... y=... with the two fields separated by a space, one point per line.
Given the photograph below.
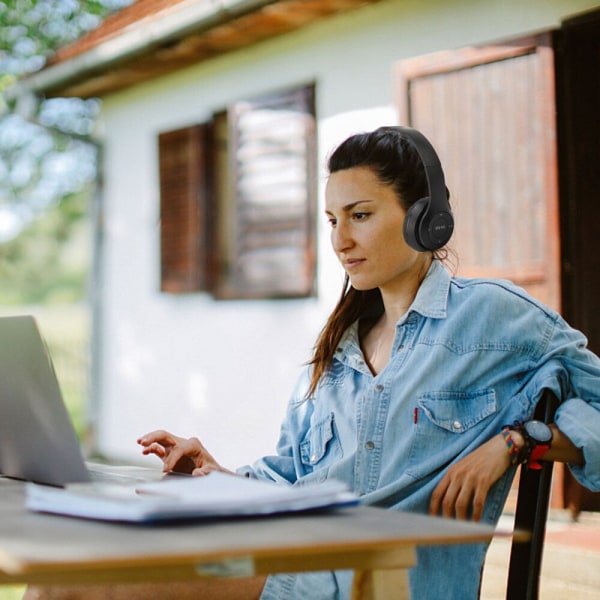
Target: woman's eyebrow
x=350 y=207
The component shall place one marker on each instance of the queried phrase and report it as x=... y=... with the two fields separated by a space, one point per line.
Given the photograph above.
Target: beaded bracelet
x=513 y=451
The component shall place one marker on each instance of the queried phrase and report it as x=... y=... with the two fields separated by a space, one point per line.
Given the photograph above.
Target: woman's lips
x=352 y=263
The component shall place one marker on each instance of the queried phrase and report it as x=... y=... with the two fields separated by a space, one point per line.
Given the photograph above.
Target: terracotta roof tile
x=139 y=14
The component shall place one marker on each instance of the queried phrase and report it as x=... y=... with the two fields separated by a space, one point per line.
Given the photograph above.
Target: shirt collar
x=432 y=296
x=431 y=301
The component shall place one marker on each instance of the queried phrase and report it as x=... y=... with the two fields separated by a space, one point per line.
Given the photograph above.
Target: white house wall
x=223 y=370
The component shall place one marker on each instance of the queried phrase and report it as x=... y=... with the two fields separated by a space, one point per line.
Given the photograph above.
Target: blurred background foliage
x=49 y=172
x=48 y=158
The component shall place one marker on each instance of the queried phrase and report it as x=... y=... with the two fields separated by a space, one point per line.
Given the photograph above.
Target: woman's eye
x=332 y=221
x=360 y=216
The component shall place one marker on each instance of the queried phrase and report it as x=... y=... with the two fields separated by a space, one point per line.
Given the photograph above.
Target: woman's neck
x=398 y=299
x=377 y=337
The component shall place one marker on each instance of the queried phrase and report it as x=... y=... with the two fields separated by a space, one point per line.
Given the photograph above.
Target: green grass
x=12 y=592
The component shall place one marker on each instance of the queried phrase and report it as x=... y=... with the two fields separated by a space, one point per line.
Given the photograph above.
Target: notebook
x=38 y=442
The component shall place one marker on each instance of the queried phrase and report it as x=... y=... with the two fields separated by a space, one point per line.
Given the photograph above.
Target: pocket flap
x=458 y=411
x=314 y=447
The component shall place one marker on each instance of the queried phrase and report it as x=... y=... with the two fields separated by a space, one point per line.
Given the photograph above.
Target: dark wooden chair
x=533 y=497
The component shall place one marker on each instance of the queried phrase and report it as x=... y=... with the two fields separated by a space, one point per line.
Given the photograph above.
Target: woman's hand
x=466 y=484
x=181 y=455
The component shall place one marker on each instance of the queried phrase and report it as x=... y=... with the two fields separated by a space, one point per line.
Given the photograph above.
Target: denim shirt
x=468 y=357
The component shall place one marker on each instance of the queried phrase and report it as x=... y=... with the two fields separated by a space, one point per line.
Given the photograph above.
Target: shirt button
x=313 y=458
x=456 y=425
x=370 y=445
x=379 y=388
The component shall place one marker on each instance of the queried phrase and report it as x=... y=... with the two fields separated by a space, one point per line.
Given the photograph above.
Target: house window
x=238 y=198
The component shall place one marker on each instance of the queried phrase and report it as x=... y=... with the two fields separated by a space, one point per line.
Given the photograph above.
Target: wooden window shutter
x=183 y=172
x=267 y=239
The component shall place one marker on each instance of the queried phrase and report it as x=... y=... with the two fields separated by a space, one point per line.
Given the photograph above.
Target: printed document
x=213 y=496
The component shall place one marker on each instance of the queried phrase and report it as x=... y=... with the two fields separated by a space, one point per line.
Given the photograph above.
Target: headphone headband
x=429 y=222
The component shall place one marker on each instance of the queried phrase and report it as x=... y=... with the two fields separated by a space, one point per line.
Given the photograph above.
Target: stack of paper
x=215 y=495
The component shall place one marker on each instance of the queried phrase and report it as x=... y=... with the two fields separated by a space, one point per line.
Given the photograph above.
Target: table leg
x=374 y=580
x=381 y=585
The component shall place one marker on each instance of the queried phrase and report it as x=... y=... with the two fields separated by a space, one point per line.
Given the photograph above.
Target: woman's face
x=366 y=232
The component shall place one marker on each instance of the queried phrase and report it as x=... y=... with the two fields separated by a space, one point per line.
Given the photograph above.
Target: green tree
x=48 y=161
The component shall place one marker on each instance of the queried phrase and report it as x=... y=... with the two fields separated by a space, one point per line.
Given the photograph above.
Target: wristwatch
x=538 y=440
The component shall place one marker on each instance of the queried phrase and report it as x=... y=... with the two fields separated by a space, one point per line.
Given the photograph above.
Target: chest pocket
x=448 y=422
x=321 y=446
x=458 y=411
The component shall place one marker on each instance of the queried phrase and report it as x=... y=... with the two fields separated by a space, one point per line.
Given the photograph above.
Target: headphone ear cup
x=412 y=225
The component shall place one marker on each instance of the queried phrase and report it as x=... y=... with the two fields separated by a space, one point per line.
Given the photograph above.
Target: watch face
x=538 y=431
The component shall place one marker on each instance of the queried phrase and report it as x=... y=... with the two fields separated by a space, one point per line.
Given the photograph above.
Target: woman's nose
x=340 y=238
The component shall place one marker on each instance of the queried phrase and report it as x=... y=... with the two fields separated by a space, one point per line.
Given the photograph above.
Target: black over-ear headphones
x=429 y=223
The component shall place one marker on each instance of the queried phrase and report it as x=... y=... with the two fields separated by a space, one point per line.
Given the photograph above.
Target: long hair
x=395 y=162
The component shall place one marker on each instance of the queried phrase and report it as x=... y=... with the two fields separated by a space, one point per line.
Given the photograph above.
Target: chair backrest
x=533 y=498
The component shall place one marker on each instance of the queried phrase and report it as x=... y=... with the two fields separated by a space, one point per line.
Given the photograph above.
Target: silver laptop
x=37 y=440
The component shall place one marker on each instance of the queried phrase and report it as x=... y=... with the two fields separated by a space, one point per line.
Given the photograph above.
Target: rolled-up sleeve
x=578 y=416
x=579 y=420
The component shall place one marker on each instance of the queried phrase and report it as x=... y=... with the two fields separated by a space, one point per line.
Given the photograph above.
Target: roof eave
x=152 y=47
x=130 y=44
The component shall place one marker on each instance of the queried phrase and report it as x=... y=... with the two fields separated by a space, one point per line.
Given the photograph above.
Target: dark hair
x=396 y=162
x=390 y=155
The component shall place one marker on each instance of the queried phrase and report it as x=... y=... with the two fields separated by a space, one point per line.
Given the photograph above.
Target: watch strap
x=535 y=455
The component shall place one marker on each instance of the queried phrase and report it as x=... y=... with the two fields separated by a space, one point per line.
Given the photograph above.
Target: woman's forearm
x=561 y=450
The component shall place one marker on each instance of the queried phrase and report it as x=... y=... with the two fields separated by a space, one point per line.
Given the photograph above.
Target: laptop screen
x=37 y=439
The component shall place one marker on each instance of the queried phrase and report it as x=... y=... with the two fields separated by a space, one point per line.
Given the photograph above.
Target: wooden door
x=490 y=113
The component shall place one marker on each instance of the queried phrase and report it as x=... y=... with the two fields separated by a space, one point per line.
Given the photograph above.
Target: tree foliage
x=48 y=160
x=32 y=29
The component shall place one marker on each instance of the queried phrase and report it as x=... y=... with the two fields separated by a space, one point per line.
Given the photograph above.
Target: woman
x=413 y=378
